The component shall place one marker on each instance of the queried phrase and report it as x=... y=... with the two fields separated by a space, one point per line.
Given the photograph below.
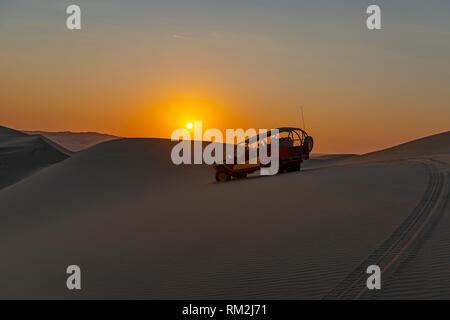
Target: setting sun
x=189 y=125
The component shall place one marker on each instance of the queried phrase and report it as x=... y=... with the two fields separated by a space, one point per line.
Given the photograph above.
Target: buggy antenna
x=303 y=118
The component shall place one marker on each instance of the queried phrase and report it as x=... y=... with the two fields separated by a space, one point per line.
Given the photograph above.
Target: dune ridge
x=423 y=147
x=74 y=141
x=22 y=155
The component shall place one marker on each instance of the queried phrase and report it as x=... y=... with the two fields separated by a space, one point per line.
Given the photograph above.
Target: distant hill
x=22 y=155
x=75 y=141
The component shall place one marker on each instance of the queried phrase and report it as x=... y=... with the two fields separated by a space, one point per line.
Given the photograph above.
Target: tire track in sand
x=392 y=251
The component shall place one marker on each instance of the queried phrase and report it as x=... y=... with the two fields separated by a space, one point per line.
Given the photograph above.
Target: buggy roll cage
x=300 y=133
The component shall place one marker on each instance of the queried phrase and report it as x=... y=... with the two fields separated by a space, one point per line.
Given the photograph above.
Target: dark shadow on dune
x=22 y=155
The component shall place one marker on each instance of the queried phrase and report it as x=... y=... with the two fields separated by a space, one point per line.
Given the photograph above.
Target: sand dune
x=22 y=155
x=74 y=141
x=424 y=147
x=327 y=160
x=141 y=227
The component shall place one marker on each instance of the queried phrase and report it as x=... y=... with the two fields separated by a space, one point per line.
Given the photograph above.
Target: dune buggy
x=295 y=146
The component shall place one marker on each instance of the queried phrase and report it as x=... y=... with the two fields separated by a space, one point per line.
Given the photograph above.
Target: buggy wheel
x=281 y=167
x=222 y=176
x=294 y=166
x=308 y=144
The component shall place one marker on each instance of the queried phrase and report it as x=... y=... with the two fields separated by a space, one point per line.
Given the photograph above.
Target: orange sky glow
x=143 y=76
